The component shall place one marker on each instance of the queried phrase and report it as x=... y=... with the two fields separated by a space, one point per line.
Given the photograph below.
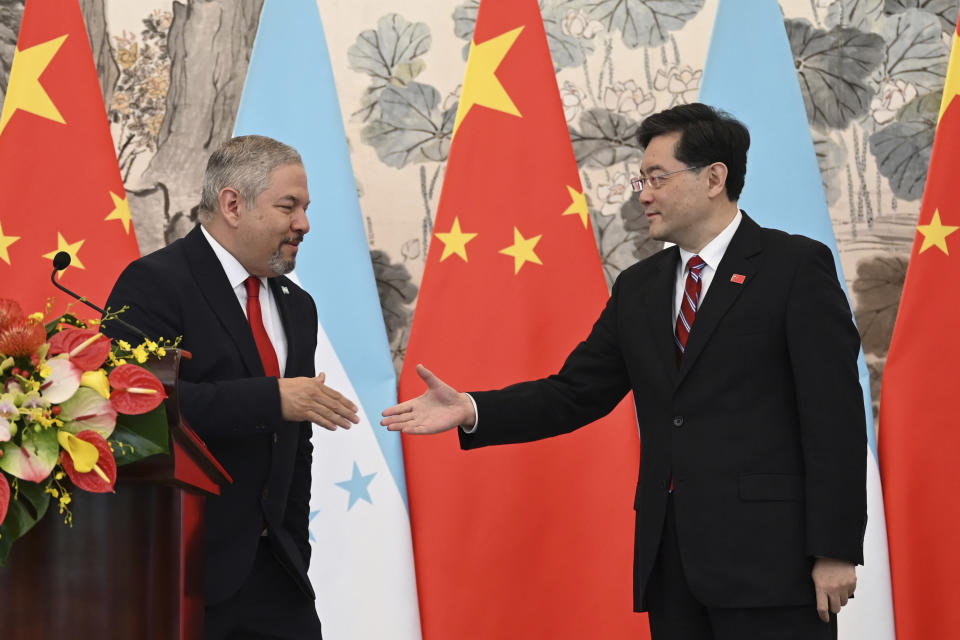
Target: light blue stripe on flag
x=750 y=73
x=362 y=565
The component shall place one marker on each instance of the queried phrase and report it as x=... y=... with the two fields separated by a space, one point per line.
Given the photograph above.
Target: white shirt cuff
x=475 y=413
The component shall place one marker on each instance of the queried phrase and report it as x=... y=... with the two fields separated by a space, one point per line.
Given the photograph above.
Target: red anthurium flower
x=102 y=474
x=86 y=348
x=10 y=314
x=4 y=497
x=135 y=390
x=22 y=339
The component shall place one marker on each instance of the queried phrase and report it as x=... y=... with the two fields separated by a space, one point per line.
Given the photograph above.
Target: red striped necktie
x=267 y=353
x=688 y=304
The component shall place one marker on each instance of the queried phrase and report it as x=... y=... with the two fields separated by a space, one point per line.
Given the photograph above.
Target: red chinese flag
x=62 y=189
x=532 y=540
x=919 y=434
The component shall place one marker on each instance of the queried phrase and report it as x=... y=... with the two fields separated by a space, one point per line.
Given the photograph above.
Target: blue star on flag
x=357 y=486
x=313 y=514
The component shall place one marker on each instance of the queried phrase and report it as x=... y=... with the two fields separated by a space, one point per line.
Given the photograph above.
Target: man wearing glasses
x=740 y=350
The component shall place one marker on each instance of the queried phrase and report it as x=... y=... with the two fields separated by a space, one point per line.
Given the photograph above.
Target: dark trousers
x=269 y=606
x=675 y=614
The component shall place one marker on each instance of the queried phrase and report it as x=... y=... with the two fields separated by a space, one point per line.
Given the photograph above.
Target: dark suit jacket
x=761 y=427
x=182 y=290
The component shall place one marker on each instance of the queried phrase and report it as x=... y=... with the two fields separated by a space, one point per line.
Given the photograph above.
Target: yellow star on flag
x=481 y=85
x=72 y=248
x=935 y=233
x=455 y=241
x=578 y=205
x=121 y=211
x=25 y=91
x=5 y=242
x=522 y=250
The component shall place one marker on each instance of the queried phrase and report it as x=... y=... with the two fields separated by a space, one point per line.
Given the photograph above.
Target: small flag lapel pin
x=287 y=291
x=738 y=278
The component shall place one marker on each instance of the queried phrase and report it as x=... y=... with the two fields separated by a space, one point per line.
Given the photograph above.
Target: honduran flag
x=362 y=564
x=750 y=73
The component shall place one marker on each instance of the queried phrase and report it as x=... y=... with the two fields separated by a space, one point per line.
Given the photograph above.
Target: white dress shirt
x=712 y=254
x=237 y=275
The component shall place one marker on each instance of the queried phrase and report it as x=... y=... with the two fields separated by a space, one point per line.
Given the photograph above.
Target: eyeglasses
x=656 y=181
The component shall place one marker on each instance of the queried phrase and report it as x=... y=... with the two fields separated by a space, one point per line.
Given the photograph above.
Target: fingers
x=823 y=606
x=427 y=376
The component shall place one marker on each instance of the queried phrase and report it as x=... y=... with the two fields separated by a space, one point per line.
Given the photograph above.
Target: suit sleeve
x=225 y=408
x=591 y=382
x=823 y=346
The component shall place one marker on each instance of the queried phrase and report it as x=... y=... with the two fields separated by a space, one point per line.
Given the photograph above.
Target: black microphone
x=60 y=262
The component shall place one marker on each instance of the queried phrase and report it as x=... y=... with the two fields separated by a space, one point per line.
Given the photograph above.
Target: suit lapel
x=280 y=288
x=213 y=283
x=660 y=297
x=739 y=259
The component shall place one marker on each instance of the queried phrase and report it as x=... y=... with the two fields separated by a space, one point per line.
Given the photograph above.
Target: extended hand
x=310 y=399
x=440 y=408
x=835 y=582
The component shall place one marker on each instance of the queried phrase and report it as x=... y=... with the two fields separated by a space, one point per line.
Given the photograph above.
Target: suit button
x=678 y=421
x=275 y=438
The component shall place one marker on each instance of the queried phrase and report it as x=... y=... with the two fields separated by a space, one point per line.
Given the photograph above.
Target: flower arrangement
x=73 y=406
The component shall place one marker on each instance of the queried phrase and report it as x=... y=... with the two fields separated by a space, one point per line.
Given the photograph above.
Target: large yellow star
x=951 y=87
x=25 y=91
x=72 y=248
x=522 y=250
x=935 y=233
x=455 y=241
x=5 y=242
x=481 y=85
x=578 y=205
x=121 y=211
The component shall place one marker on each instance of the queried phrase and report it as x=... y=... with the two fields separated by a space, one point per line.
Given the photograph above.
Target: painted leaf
x=92 y=481
x=833 y=67
x=63 y=381
x=135 y=390
x=643 y=23
x=605 y=138
x=465 y=19
x=903 y=148
x=877 y=291
x=945 y=10
x=34 y=459
x=88 y=410
x=395 y=42
x=832 y=160
x=857 y=14
x=566 y=49
x=88 y=349
x=411 y=126
x=915 y=51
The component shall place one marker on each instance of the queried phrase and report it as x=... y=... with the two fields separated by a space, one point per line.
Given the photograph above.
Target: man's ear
x=230 y=206
x=716 y=179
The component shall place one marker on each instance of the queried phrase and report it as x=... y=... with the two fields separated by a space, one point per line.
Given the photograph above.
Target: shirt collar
x=236 y=273
x=713 y=252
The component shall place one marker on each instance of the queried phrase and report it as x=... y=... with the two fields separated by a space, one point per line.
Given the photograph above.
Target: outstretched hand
x=440 y=408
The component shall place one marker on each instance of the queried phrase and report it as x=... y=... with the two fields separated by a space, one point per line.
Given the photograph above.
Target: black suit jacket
x=761 y=427
x=182 y=290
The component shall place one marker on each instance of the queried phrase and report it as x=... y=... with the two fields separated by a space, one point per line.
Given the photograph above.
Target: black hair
x=707 y=135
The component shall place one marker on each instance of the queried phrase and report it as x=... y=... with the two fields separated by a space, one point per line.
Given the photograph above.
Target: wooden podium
x=132 y=564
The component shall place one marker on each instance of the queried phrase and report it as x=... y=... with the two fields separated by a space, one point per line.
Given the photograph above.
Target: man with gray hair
x=249 y=390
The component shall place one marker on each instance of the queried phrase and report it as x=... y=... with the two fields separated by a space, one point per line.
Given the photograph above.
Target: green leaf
x=140 y=436
x=859 y=14
x=411 y=126
x=25 y=511
x=605 y=138
x=903 y=147
x=915 y=51
x=644 y=23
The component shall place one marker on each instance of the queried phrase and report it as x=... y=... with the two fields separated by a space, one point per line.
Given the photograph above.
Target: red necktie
x=688 y=304
x=267 y=354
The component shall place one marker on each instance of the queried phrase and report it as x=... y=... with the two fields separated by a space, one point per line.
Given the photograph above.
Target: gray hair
x=243 y=163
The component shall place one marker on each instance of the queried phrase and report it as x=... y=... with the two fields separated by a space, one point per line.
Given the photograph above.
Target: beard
x=282 y=266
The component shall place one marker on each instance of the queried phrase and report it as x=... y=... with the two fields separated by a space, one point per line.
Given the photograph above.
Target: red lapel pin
x=738 y=278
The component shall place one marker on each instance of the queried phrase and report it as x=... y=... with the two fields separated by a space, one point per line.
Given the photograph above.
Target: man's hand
x=310 y=399
x=835 y=582
x=440 y=408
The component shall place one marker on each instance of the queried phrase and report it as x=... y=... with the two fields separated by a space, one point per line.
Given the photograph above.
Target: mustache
x=296 y=238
